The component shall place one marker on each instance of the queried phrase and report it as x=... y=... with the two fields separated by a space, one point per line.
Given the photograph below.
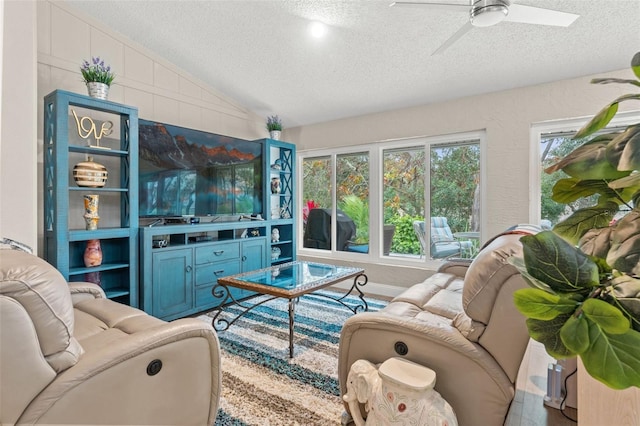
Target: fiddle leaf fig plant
x=584 y=275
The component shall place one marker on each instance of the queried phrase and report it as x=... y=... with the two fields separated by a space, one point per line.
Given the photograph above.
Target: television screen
x=191 y=172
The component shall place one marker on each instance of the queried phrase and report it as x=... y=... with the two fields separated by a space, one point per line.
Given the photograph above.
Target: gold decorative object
x=90 y=174
x=91 y=211
x=86 y=127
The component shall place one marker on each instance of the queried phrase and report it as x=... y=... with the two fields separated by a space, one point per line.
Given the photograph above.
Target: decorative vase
x=98 y=90
x=93 y=254
x=91 y=212
x=275 y=185
x=90 y=174
x=274 y=134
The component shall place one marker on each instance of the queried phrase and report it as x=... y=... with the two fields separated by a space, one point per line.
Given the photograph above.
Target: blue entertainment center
x=234 y=214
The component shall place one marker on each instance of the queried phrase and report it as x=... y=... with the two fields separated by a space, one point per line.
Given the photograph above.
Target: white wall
x=507 y=117
x=160 y=90
x=18 y=115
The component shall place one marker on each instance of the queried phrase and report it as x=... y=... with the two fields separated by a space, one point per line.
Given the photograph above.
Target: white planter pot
x=98 y=90
x=274 y=134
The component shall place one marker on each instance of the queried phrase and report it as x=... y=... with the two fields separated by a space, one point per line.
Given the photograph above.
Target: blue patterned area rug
x=261 y=385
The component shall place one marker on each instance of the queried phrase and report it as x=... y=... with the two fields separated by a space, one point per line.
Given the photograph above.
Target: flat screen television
x=186 y=172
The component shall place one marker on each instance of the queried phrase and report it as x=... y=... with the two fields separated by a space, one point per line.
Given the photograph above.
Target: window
x=553 y=141
x=382 y=199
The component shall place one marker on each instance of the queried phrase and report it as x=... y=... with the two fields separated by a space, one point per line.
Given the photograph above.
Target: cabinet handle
x=188 y=268
x=218 y=253
x=244 y=258
x=218 y=272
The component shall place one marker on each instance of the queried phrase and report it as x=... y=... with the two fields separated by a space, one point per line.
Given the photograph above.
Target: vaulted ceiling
x=374 y=57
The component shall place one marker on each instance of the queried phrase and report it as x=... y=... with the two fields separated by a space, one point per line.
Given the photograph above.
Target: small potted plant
x=274 y=126
x=98 y=77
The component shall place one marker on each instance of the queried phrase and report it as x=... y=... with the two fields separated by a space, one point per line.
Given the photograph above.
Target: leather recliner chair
x=71 y=356
x=462 y=323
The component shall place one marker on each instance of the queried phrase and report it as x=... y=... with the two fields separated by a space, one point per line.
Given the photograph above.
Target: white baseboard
x=384 y=291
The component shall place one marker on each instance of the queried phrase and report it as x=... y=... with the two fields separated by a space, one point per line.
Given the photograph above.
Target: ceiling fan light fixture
x=486 y=16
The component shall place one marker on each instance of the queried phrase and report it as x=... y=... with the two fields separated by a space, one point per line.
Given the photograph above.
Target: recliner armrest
x=82 y=291
x=457 y=267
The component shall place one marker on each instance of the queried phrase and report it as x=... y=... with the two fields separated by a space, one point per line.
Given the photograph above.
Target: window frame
x=568 y=125
x=375 y=151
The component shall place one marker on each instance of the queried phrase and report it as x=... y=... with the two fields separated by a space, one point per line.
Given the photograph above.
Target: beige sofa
x=462 y=323
x=71 y=356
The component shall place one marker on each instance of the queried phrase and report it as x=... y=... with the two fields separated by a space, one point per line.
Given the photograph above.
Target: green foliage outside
x=454 y=185
x=454 y=180
x=404 y=238
x=358 y=211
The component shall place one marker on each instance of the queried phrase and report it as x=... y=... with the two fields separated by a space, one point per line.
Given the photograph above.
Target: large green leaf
x=624 y=254
x=635 y=64
x=631 y=182
x=607 y=316
x=615 y=80
x=548 y=333
x=576 y=225
x=630 y=158
x=589 y=161
x=596 y=242
x=575 y=334
x=538 y=304
x=598 y=122
x=578 y=153
x=626 y=291
x=603 y=117
x=613 y=359
x=621 y=149
x=568 y=190
x=555 y=262
x=518 y=262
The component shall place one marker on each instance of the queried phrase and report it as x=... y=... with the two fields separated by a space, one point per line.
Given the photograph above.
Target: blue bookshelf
x=73 y=125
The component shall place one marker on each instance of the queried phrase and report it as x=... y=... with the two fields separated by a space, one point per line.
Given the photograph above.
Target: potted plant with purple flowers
x=98 y=77
x=274 y=126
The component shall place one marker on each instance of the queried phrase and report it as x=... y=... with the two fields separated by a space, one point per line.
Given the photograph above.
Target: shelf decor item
x=87 y=127
x=274 y=126
x=98 y=77
x=93 y=254
x=91 y=211
x=90 y=174
x=276 y=185
x=275 y=253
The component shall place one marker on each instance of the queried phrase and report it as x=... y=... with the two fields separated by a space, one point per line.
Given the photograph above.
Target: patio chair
x=443 y=243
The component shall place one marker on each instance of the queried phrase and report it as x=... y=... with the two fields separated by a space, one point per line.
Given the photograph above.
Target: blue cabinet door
x=254 y=254
x=172 y=282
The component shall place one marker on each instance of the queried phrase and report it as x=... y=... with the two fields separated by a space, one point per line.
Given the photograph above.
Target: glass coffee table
x=289 y=281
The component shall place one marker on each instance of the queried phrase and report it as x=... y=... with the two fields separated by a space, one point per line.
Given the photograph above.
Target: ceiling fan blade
x=539 y=16
x=462 y=31
x=441 y=6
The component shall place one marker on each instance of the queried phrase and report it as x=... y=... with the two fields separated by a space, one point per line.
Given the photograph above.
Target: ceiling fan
x=485 y=13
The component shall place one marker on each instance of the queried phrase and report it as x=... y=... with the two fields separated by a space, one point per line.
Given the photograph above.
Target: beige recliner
x=462 y=323
x=71 y=356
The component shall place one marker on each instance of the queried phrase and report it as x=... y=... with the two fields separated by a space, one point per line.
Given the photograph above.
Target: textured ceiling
x=374 y=57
